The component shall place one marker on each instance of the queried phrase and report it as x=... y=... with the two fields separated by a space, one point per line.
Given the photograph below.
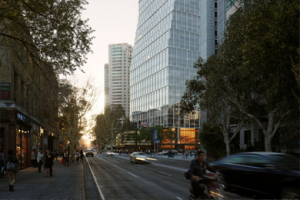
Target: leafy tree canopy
x=51 y=31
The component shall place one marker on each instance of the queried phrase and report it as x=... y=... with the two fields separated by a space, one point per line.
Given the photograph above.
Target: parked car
x=175 y=151
x=274 y=174
x=110 y=153
x=89 y=153
x=139 y=157
x=163 y=153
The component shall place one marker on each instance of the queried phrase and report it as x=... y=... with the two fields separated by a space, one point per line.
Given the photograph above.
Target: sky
x=114 y=21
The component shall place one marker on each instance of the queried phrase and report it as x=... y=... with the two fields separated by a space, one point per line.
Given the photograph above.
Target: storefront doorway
x=22 y=144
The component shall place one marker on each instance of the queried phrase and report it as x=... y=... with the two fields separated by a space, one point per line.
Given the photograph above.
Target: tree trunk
x=268 y=142
x=227 y=142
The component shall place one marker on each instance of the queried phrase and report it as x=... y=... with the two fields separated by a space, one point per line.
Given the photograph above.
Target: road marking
x=131 y=174
x=114 y=165
x=95 y=179
x=164 y=173
x=179 y=198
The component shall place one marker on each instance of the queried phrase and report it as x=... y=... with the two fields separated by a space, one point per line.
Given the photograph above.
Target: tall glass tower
x=171 y=35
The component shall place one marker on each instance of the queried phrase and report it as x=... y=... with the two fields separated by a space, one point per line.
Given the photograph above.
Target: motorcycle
x=212 y=186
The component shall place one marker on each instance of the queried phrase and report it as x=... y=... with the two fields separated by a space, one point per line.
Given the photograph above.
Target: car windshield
x=287 y=160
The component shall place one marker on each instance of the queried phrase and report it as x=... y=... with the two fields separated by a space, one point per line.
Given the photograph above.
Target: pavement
x=117 y=178
x=66 y=183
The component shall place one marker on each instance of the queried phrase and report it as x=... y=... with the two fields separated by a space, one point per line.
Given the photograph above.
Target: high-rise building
x=116 y=75
x=226 y=8
x=170 y=37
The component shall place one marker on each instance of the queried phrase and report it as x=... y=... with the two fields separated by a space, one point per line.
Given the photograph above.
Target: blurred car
x=139 y=157
x=175 y=151
x=110 y=153
x=89 y=153
x=163 y=153
x=274 y=174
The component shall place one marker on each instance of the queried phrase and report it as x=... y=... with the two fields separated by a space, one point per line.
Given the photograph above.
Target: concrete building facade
x=116 y=75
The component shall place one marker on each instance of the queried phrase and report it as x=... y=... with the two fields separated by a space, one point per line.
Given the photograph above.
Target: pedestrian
x=77 y=156
x=81 y=156
x=2 y=162
x=48 y=163
x=11 y=167
x=33 y=158
x=66 y=158
x=40 y=157
x=187 y=154
x=183 y=154
x=55 y=155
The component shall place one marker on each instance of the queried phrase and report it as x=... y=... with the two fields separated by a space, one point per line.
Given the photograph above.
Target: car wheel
x=290 y=193
x=223 y=184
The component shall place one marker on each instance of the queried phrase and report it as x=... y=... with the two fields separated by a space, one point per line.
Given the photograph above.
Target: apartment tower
x=116 y=75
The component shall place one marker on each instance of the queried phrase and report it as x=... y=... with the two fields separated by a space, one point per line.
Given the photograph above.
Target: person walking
x=77 y=155
x=11 y=167
x=2 y=162
x=33 y=158
x=66 y=158
x=55 y=155
x=187 y=154
x=183 y=154
x=48 y=163
x=81 y=156
x=40 y=157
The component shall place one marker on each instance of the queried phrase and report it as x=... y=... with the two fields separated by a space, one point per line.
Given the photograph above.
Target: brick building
x=28 y=110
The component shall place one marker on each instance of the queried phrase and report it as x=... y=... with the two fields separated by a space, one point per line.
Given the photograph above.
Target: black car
x=274 y=174
x=89 y=153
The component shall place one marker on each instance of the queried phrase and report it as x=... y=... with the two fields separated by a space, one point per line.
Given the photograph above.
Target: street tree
x=75 y=102
x=50 y=31
x=211 y=138
x=257 y=52
x=208 y=89
x=110 y=124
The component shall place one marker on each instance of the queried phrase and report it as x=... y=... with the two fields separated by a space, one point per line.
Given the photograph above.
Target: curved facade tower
x=170 y=37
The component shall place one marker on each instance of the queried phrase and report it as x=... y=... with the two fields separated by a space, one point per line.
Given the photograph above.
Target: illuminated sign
x=4 y=91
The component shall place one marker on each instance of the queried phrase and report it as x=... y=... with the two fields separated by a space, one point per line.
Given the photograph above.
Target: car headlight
x=151 y=159
x=140 y=159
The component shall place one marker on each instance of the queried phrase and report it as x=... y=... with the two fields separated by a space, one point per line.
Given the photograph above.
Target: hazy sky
x=114 y=21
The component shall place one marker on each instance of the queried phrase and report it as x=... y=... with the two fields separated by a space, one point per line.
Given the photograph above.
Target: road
x=117 y=178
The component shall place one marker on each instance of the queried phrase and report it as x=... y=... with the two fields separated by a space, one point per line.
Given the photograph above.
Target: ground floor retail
x=22 y=134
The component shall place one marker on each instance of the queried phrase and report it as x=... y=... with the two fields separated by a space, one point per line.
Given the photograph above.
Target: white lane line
x=179 y=198
x=114 y=165
x=95 y=179
x=131 y=174
x=164 y=173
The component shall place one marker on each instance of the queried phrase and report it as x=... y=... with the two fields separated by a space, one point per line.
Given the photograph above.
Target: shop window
x=188 y=136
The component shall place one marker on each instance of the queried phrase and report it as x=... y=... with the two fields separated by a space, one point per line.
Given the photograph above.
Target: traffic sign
x=145 y=124
x=157 y=141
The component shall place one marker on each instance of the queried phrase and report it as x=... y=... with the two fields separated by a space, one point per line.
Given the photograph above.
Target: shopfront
x=23 y=140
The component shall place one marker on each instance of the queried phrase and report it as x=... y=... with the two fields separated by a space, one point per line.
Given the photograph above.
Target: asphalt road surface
x=117 y=178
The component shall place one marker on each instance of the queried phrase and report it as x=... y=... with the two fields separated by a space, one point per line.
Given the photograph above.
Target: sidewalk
x=66 y=183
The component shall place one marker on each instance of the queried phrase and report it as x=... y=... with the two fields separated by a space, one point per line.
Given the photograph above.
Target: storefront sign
x=4 y=91
x=21 y=117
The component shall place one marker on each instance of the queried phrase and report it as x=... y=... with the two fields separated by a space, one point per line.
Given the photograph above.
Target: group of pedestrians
x=79 y=156
x=187 y=153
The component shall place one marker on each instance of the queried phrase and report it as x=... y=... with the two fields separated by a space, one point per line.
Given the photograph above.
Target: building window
x=216 y=33
x=216 y=42
x=216 y=5
x=247 y=137
x=216 y=52
x=216 y=14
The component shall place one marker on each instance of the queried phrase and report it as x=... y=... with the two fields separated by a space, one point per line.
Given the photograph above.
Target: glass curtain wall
x=166 y=46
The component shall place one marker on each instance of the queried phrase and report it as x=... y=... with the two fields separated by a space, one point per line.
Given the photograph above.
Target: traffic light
x=140 y=124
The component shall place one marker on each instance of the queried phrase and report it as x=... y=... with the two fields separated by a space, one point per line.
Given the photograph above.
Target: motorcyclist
x=194 y=175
